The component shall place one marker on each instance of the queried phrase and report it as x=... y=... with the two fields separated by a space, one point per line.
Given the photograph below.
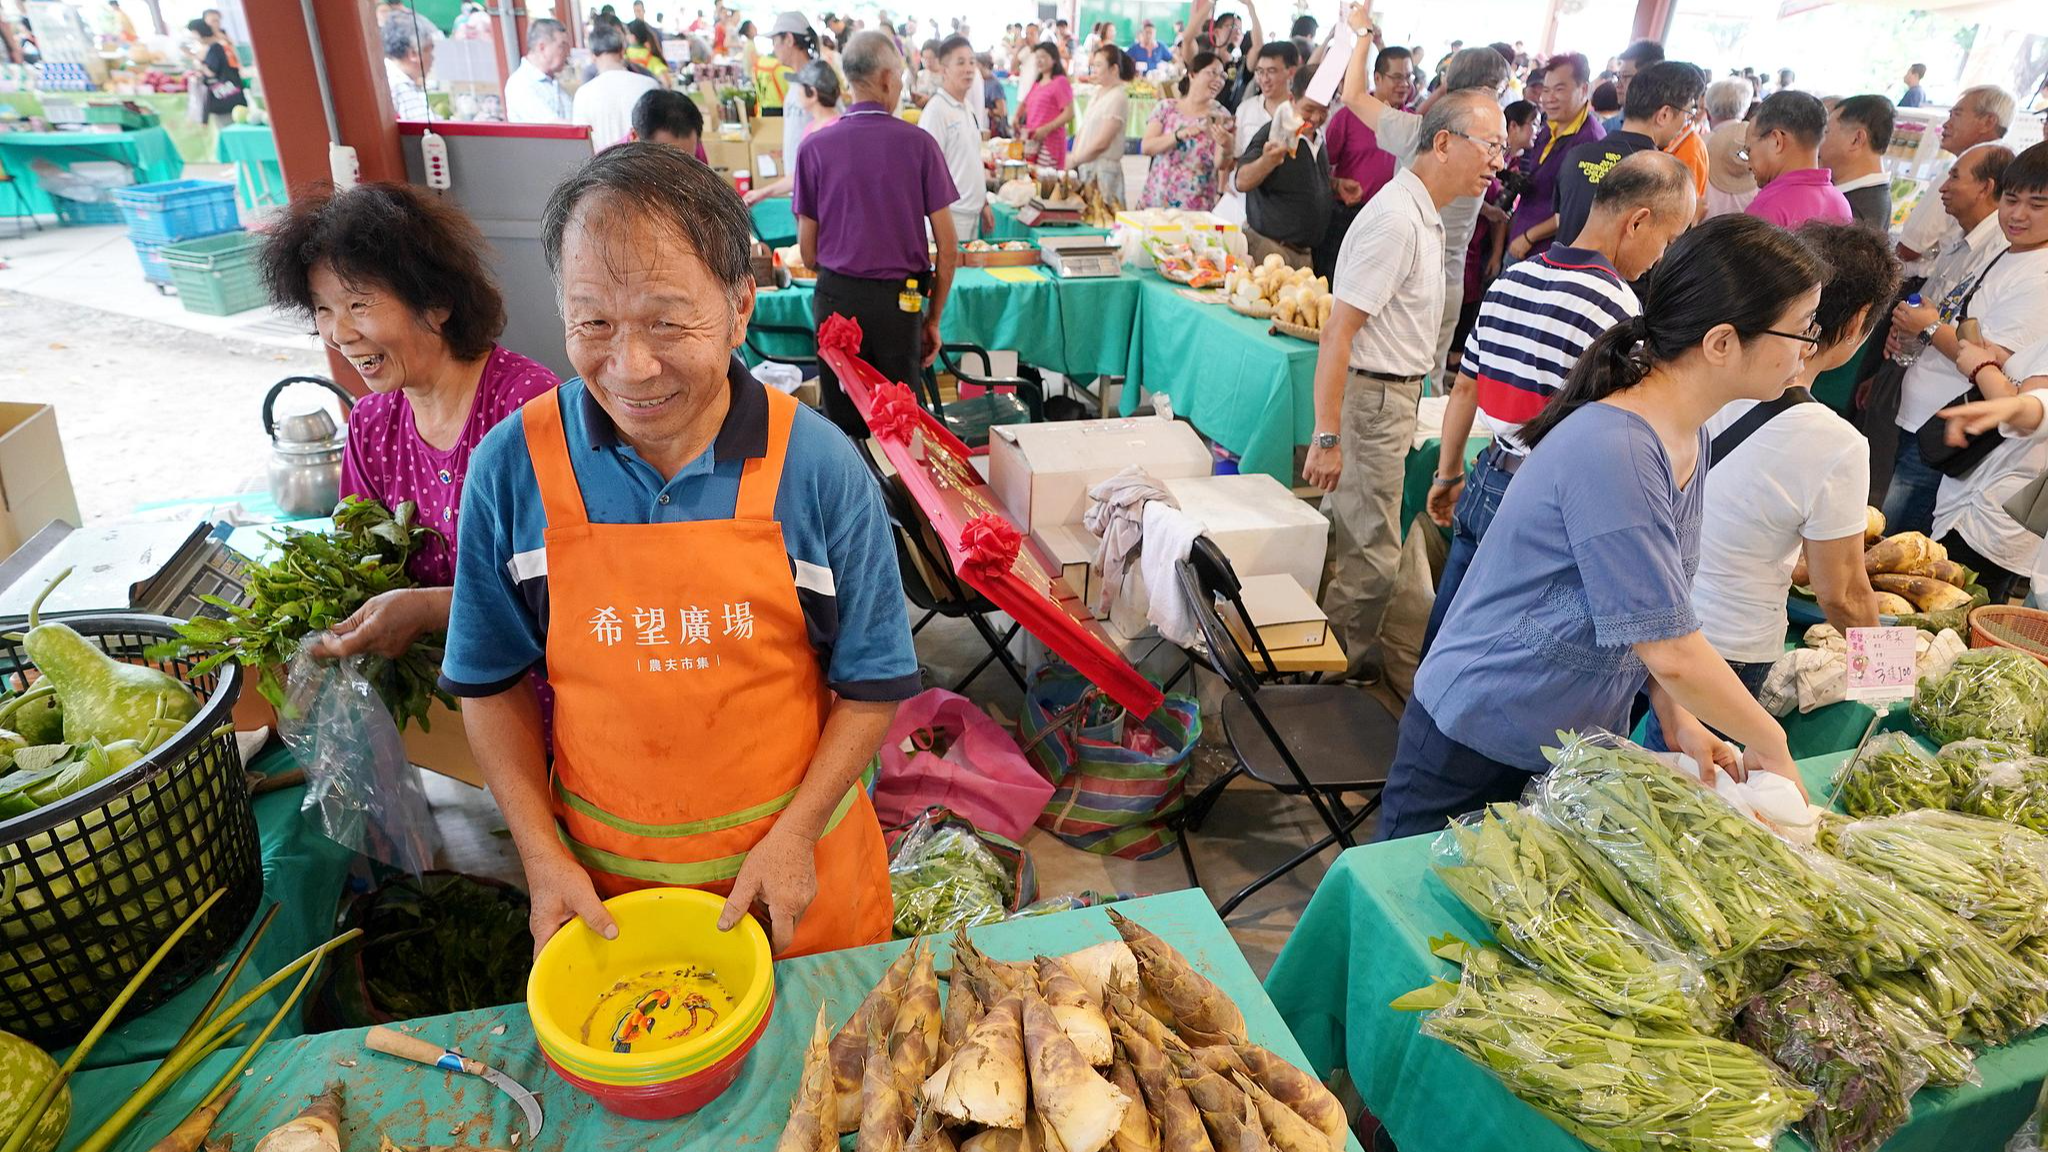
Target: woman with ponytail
x=1580 y=595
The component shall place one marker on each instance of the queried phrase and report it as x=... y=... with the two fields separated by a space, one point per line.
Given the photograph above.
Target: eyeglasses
x=1495 y=149
x=1811 y=338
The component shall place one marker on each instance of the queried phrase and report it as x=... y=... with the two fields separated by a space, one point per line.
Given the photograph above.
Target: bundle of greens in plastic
x=1949 y=1064
x=1518 y=875
x=1893 y=774
x=1993 y=874
x=944 y=877
x=1682 y=862
x=1815 y=1032
x=2015 y=791
x=1618 y=1085
x=1905 y=928
x=1987 y=694
x=1966 y=760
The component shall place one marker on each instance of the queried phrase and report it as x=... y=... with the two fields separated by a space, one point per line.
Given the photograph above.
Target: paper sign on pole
x=1322 y=87
x=1881 y=663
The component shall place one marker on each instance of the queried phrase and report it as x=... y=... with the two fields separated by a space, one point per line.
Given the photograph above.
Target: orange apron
x=688 y=700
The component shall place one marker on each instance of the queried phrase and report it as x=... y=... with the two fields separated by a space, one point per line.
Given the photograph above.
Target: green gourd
x=41 y=721
x=104 y=699
x=10 y=743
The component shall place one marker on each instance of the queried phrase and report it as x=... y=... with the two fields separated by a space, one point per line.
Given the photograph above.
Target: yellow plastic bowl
x=658 y=928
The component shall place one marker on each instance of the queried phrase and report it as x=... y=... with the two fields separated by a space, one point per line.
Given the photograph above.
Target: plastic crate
x=178 y=210
x=154 y=270
x=83 y=214
x=217 y=275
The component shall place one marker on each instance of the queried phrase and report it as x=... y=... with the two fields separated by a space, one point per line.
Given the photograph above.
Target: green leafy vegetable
x=1990 y=873
x=316 y=581
x=1989 y=694
x=1965 y=760
x=442 y=943
x=1949 y=1064
x=944 y=877
x=1814 y=1030
x=2015 y=791
x=1894 y=774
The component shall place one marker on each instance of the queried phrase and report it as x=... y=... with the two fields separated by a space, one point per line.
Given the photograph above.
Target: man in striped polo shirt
x=1533 y=323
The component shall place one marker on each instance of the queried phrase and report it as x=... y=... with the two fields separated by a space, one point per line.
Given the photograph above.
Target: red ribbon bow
x=991 y=544
x=839 y=334
x=893 y=414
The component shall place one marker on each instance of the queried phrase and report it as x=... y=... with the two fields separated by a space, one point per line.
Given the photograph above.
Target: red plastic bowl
x=671 y=1099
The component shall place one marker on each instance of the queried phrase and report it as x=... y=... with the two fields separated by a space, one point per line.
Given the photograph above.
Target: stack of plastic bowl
x=658 y=928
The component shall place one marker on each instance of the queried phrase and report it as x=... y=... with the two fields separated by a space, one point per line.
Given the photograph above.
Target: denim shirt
x=1593 y=551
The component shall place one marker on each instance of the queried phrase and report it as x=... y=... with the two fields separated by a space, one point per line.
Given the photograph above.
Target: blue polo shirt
x=841 y=554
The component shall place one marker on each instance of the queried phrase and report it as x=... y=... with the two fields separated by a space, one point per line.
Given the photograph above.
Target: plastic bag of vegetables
x=1989 y=694
x=1815 y=1032
x=1992 y=874
x=1894 y=774
x=947 y=874
x=1519 y=876
x=366 y=793
x=2015 y=791
x=1618 y=1085
x=1965 y=760
x=1949 y=1064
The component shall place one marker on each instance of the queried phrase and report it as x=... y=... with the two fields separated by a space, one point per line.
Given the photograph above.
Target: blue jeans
x=1435 y=778
x=1485 y=484
x=1752 y=677
x=1909 y=502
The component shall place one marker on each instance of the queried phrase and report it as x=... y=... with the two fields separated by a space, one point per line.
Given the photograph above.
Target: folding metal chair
x=1321 y=741
x=761 y=328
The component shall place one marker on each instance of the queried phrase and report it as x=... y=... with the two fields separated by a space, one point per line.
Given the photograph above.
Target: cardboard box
x=1260 y=525
x=1074 y=549
x=1042 y=472
x=1285 y=616
x=35 y=484
x=445 y=749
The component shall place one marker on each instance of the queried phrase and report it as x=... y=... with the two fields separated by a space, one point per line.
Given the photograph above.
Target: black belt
x=1387 y=377
x=1503 y=460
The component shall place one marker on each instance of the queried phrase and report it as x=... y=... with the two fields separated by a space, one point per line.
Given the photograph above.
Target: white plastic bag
x=365 y=792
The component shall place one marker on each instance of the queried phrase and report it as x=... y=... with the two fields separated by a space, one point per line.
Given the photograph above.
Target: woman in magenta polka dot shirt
x=397 y=281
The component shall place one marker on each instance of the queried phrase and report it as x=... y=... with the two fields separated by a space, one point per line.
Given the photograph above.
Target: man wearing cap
x=1148 y=53
x=865 y=187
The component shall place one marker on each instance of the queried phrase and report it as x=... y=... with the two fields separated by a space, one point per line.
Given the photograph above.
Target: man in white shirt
x=1980 y=115
x=605 y=101
x=2023 y=420
x=1272 y=72
x=408 y=57
x=532 y=94
x=1400 y=133
x=1375 y=351
x=948 y=120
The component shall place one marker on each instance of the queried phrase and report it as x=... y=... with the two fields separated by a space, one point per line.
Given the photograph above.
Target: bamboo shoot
x=1079 y=1013
x=1202 y=1013
x=1298 y=1090
x=814 y=1114
x=1138 y=1132
x=1285 y=1128
x=1081 y=1108
x=985 y=1081
x=850 y=1046
x=316 y=1129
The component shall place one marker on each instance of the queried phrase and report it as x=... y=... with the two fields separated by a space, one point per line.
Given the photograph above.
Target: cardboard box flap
x=1042 y=472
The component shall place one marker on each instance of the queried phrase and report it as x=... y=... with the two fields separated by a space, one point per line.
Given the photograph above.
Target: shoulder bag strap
x=1732 y=436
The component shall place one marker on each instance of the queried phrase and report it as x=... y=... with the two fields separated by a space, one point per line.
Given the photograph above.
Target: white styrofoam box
x=1073 y=548
x=1042 y=472
x=1263 y=528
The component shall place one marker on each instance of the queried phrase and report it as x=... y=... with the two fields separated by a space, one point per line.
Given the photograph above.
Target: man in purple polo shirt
x=1568 y=121
x=866 y=186
x=1784 y=155
x=1359 y=167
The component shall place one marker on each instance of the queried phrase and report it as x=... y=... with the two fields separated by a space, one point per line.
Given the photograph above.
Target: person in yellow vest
x=704 y=567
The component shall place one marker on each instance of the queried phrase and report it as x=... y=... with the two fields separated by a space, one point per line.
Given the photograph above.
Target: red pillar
x=1653 y=19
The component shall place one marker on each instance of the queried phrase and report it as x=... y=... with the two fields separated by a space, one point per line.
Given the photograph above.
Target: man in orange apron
x=704 y=567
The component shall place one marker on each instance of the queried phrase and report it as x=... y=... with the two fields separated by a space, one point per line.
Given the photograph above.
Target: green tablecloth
x=1077 y=328
x=194 y=142
x=252 y=149
x=1007 y=227
x=1363 y=941
x=1422 y=467
x=411 y=1104
x=149 y=151
x=303 y=874
x=1246 y=389
x=774 y=222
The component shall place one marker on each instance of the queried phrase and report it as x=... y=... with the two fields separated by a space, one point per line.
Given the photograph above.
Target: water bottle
x=1910 y=346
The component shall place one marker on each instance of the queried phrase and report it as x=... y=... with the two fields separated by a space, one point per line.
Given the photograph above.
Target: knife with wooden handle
x=395 y=1043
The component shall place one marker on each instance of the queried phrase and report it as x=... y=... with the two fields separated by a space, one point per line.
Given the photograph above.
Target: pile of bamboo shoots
x=1122 y=1046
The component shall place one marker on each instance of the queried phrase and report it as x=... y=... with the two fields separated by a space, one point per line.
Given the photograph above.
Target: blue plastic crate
x=78 y=214
x=176 y=210
x=154 y=270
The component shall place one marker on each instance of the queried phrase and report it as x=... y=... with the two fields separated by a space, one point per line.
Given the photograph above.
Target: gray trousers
x=1365 y=510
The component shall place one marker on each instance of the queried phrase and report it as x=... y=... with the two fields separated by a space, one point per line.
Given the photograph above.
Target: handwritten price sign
x=1881 y=663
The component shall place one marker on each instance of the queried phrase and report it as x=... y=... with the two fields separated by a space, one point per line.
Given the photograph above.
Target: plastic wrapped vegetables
x=1679 y=860
x=1990 y=873
x=943 y=877
x=1813 y=1030
x=1617 y=1085
x=1988 y=693
x=1949 y=1064
x=2015 y=791
x=1905 y=927
x=1894 y=774
x=1515 y=873
x=1965 y=760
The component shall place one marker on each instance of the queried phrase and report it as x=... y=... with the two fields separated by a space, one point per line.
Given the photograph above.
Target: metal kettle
x=305 y=452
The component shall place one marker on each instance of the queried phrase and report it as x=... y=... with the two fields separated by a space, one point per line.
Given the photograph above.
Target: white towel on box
x=1169 y=534
x=1116 y=516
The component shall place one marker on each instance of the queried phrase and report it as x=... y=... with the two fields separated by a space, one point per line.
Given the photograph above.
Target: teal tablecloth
x=195 y=142
x=774 y=222
x=148 y=151
x=415 y=1105
x=1007 y=227
x=303 y=874
x=1077 y=328
x=252 y=149
x=1363 y=941
x=1421 y=468
x=1246 y=389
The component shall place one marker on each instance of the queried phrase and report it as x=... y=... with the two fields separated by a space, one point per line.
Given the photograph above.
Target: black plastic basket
x=94 y=883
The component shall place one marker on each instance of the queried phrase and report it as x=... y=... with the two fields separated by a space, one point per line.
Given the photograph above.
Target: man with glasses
x=1375 y=352
x=1980 y=115
x=1633 y=60
x=1567 y=123
x=1662 y=99
x=1784 y=155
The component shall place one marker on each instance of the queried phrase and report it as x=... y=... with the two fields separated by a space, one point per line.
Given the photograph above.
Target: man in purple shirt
x=1784 y=155
x=1568 y=121
x=865 y=188
x=1359 y=167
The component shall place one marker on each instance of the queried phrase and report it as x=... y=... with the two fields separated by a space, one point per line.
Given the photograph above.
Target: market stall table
x=774 y=221
x=1364 y=940
x=148 y=151
x=194 y=142
x=1076 y=328
x=252 y=149
x=415 y=1105
x=1008 y=227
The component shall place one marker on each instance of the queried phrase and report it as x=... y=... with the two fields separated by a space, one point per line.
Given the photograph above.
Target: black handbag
x=1940 y=455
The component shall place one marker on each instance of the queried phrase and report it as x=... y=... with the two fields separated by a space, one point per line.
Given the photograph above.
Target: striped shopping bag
x=1117 y=783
